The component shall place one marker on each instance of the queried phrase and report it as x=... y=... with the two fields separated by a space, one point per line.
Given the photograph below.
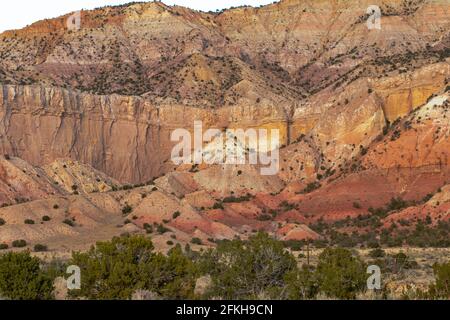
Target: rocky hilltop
x=363 y=114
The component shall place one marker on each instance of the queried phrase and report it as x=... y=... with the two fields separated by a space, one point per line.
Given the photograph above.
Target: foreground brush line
x=260 y=268
x=360 y=115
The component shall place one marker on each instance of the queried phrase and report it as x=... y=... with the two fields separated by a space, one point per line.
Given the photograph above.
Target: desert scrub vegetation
x=422 y=235
x=69 y=222
x=441 y=288
x=29 y=221
x=245 y=270
x=116 y=269
x=127 y=209
x=176 y=215
x=21 y=278
x=374 y=233
x=238 y=269
x=235 y=199
x=197 y=241
x=258 y=268
x=339 y=274
x=40 y=248
x=310 y=188
x=19 y=243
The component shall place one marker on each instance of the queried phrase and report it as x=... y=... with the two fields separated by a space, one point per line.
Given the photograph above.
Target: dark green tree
x=441 y=288
x=21 y=278
x=302 y=284
x=112 y=270
x=341 y=274
x=172 y=276
x=116 y=269
x=246 y=269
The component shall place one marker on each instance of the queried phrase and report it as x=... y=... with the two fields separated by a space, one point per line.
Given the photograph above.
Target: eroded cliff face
x=125 y=137
x=115 y=134
x=403 y=93
x=309 y=69
x=128 y=137
x=332 y=128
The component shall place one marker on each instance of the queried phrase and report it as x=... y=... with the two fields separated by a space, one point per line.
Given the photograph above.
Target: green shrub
x=340 y=274
x=441 y=288
x=234 y=199
x=2 y=222
x=264 y=217
x=377 y=253
x=40 y=248
x=356 y=205
x=244 y=269
x=111 y=269
x=197 y=241
x=176 y=215
x=22 y=279
x=69 y=222
x=19 y=243
x=218 y=205
x=148 y=228
x=3 y=246
x=295 y=245
x=311 y=187
x=127 y=209
x=161 y=229
x=29 y=221
x=302 y=284
x=402 y=261
x=116 y=269
x=46 y=218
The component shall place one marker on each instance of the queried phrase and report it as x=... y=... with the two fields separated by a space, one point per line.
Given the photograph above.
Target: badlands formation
x=86 y=118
